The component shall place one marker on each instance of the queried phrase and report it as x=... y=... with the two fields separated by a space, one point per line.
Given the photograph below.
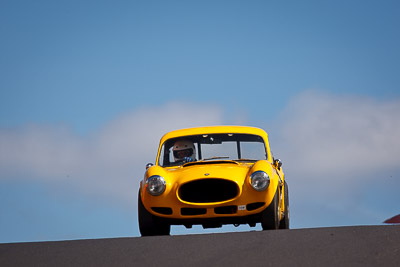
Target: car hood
x=226 y=169
x=204 y=170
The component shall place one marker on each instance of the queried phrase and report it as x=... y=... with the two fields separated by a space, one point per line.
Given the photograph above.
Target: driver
x=184 y=150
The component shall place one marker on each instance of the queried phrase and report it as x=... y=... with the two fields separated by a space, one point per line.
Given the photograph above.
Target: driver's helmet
x=184 y=149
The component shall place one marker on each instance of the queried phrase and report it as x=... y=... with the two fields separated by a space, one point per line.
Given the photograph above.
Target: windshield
x=209 y=147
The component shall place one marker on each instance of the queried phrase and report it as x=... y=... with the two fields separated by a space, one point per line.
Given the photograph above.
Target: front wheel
x=284 y=224
x=150 y=225
x=270 y=216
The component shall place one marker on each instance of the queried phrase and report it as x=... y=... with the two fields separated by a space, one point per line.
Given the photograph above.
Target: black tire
x=150 y=225
x=270 y=216
x=284 y=224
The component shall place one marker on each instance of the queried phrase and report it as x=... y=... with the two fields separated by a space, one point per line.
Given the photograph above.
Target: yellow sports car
x=213 y=176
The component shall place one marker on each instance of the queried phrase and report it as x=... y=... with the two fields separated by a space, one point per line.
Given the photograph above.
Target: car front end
x=219 y=183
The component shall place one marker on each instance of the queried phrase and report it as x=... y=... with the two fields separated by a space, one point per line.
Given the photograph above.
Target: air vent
x=208 y=190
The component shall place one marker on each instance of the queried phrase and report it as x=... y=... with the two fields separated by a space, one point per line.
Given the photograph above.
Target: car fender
x=263 y=165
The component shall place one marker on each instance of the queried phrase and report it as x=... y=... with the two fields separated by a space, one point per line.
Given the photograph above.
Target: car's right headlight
x=155 y=185
x=259 y=180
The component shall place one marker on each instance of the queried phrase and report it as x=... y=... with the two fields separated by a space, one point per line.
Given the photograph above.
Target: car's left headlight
x=155 y=185
x=259 y=180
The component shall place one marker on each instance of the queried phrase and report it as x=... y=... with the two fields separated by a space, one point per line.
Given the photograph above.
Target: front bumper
x=169 y=206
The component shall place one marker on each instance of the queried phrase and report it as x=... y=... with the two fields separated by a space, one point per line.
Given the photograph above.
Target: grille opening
x=254 y=206
x=193 y=211
x=226 y=210
x=208 y=190
x=162 y=210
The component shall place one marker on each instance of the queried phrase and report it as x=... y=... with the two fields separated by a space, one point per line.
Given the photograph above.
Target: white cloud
x=335 y=149
x=109 y=163
x=325 y=133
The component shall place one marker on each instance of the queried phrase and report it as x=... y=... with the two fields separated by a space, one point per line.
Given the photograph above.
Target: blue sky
x=87 y=89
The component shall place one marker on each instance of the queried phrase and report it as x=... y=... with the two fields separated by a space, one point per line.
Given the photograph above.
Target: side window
x=161 y=158
x=197 y=151
x=171 y=155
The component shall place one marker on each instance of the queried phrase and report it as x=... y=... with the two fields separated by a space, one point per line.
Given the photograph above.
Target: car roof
x=215 y=130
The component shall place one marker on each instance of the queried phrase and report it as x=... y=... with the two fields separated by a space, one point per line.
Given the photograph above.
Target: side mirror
x=148 y=165
x=278 y=163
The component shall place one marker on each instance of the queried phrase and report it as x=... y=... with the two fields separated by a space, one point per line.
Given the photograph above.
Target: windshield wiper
x=215 y=158
x=245 y=159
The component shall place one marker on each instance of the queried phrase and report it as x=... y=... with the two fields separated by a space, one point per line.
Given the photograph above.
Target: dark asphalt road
x=339 y=246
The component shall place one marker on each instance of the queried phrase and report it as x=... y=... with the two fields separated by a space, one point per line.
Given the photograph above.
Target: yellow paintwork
x=239 y=172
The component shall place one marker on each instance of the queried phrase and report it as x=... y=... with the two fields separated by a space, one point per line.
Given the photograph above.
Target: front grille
x=193 y=211
x=255 y=205
x=226 y=210
x=208 y=190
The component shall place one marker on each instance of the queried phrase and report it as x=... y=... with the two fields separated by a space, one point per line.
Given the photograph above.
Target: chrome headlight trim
x=155 y=185
x=259 y=180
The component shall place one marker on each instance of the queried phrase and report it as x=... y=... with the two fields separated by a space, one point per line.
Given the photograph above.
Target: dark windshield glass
x=208 y=147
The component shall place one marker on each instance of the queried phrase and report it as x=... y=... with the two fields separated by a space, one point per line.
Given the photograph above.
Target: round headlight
x=155 y=185
x=259 y=180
